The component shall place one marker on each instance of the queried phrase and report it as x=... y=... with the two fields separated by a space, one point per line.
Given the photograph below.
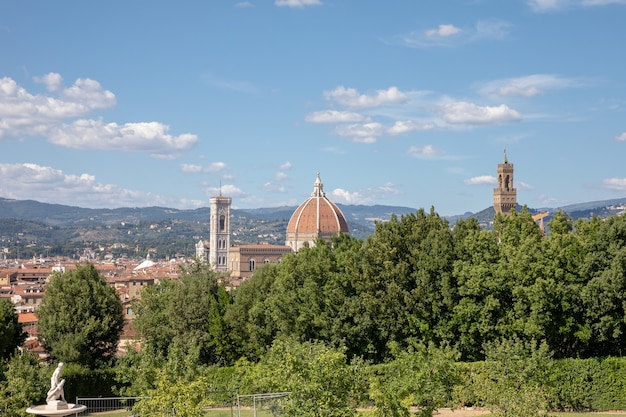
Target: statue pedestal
x=58 y=409
x=56 y=405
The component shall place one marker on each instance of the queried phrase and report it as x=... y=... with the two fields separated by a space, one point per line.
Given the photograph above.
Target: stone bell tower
x=505 y=196
x=219 y=232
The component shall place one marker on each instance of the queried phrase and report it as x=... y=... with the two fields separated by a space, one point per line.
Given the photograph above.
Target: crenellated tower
x=505 y=196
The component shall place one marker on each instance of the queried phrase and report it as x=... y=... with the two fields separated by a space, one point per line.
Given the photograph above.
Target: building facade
x=244 y=259
x=317 y=217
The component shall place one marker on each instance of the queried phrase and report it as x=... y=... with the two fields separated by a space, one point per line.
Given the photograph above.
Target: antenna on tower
x=220 y=187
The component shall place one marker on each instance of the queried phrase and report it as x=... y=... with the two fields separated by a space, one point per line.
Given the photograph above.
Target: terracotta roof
x=317 y=215
x=26 y=318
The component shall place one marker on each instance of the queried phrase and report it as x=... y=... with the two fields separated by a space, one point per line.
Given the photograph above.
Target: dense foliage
x=11 y=333
x=22 y=384
x=418 y=280
x=417 y=316
x=186 y=315
x=80 y=317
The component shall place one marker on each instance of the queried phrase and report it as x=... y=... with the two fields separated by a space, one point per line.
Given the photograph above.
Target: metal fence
x=268 y=404
x=104 y=404
x=217 y=403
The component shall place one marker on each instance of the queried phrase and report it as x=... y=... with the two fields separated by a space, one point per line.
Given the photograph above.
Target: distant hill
x=60 y=215
x=58 y=228
x=31 y=224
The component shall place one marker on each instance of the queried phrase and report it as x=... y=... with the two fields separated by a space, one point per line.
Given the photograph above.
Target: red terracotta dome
x=316 y=217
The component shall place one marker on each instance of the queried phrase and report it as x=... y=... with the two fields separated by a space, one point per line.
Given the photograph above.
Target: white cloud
x=22 y=181
x=244 y=4
x=523 y=186
x=285 y=165
x=482 y=180
x=527 y=86
x=225 y=189
x=297 y=3
x=405 y=126
x=216 y=167
x=443 y=31
x=618 y=184
x=345 y=197
x=151 y=137
x=54 y=117
x=450 y=35
x=350 y=97
x=541 y=6
x=366 y=196
x=601 y=2
x=211 y=168
x=621 y=137
x=490 y=29
x=546 y=5
x=25 y=114
x=272 y=187
x=333 y=116
x=361 y=133
x=423 y=152
x=51 y=80
x=89 y=93
x=191 y=168
x=462 y=112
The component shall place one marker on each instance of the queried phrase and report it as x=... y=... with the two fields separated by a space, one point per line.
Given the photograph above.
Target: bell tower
x=219 y=232
x=505 y=196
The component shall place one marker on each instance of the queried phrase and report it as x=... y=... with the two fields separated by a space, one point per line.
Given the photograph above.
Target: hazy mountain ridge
x=62 y=215
x=28 y=223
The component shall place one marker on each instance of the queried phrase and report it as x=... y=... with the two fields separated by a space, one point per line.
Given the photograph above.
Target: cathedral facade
x=317 y=217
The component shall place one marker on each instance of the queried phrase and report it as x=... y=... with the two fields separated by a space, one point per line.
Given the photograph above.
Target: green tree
x=297 y=300
x=514 y=378
x=423 y=377
x=479 y=313
x=400 y=288
x=603 y=271
x=25 y=384
x=174 y=397
x=11 y=333
x=189 y=314
x=249 y=316
x=321 y=382
x=80 y=317
x=151 y=320
x=136 y=373
x=555 y=310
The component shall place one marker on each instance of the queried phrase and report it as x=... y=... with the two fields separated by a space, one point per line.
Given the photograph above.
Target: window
x=251 y=264
x=222 y=222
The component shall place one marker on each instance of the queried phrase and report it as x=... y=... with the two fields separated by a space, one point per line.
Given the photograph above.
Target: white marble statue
x=56 y=392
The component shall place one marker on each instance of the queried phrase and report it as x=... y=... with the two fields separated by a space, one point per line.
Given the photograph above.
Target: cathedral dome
x=316 y=217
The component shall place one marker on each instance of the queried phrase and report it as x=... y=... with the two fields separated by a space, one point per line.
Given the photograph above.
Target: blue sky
x=402 y=102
